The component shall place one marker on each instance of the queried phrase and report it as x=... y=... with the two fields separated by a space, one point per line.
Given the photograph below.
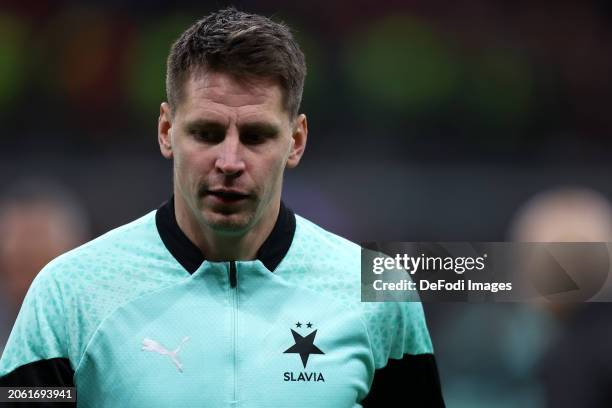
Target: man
x=223 y=296
x=574 y=370
x=39 y=220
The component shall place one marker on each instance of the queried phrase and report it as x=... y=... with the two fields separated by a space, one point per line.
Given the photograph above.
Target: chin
x=229 y=223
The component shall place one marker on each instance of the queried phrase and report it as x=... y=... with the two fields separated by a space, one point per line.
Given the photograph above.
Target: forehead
x=221 y=96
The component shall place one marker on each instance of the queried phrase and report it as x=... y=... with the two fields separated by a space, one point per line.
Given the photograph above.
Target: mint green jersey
x=139 y=318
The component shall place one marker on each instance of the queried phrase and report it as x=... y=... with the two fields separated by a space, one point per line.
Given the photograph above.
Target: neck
x=224 y=247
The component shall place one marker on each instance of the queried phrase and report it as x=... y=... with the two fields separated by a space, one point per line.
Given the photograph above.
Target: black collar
x=271 y=253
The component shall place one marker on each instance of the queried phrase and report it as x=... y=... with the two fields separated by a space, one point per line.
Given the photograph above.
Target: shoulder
x=104 y=272
x=323 y=262
x=91 y=281
x=317 y=240
x=395 y=329
x=114 y=245
x=97 y=271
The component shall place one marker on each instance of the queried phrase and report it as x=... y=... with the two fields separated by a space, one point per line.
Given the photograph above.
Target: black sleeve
x=412 y=381
x=55 y=372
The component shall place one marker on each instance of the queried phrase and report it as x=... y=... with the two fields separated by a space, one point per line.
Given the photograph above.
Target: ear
x=164 y=130
x=299 y=136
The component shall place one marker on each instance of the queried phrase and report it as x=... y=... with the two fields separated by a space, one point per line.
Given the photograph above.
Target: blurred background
x=429 y=121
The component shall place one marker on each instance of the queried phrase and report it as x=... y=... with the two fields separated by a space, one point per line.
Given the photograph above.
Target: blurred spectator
x=576 y=371
x=488 y=354
x=517 y=355
x=564 y=215
x=39 y=220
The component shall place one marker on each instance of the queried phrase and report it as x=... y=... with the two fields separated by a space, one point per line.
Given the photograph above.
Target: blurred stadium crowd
x=428 y=121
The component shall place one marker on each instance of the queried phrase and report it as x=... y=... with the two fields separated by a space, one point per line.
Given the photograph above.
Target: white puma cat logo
x=152 y=345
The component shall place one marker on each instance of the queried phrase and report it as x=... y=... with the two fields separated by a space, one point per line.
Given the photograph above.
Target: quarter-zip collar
x=271 y=252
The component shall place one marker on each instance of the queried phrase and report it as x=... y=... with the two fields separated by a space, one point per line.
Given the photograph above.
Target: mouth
x=227 y=196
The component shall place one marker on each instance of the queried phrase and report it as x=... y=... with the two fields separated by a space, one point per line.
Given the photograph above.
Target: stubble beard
x=225 y=220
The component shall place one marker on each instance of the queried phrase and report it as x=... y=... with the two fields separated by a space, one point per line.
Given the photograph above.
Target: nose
x=229 y=160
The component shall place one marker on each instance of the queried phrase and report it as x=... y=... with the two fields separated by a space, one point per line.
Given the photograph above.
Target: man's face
x=230 y=141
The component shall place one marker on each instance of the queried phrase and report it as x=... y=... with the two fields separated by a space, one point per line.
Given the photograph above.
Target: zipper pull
x=232 y=274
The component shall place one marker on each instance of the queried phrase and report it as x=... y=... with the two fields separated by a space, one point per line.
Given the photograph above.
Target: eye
x=252 y=138
x=208 y=136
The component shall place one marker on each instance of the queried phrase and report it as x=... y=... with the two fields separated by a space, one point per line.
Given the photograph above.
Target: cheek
x=270 y=175
x=179 y=168
x=189 y=166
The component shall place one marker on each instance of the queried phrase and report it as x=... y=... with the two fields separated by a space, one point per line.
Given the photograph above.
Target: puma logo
x=152 y=345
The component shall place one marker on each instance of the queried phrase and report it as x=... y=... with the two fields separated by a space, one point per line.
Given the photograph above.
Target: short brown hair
x=241 y=44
